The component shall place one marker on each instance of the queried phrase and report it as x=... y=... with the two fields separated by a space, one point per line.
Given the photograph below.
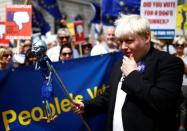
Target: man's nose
x=124 y=45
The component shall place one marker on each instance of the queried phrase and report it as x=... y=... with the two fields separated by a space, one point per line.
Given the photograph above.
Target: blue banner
x=20 y=94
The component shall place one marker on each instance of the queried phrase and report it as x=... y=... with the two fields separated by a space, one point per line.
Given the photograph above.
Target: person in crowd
x=66 y=52
x=5 y=57
x=168 y=46
x=101 y=47
x=63 y=21
x=86 y=49
x=63 y=37
x=30 y=58
x=179 y=44
x=20 y=55
x=118 y=44
x=51 y=41
x=26 y=45
x=144 y=92
x=110 y=39
x=157 y=43
x=163 y=44
x=106 y=43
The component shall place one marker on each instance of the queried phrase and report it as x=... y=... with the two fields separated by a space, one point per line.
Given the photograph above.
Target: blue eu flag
x=126 y=6
x=51 y=7
x=38 y=21
x=112 y=8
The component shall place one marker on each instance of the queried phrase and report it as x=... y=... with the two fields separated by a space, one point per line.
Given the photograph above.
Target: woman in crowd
x=66 y=52
x=179 y=44
x=5 y=57
x=30 y=58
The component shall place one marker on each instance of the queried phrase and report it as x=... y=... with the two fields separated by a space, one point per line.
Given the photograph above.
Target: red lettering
x=158 y=21
x=148 y=12
x=165 y=13
x=156 y=12
x=147 y=4
x=169 y=4
x=157 y=4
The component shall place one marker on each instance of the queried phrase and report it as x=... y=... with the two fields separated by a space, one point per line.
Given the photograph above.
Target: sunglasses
x=178 y=45
x=7 y=55
x=67 y=53
x=62 y=37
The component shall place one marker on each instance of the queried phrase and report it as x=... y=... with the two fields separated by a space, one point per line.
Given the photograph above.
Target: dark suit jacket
x=153 y=97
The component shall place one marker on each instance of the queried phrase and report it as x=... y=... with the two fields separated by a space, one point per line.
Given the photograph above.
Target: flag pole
x=52 y=69
x=18 y=42
x=62 y=85
x=80 y=49
x=26 y=2
x=101 y=19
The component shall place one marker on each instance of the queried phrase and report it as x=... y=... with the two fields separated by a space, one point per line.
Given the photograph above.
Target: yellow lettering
x=23 y=118
x=92 y=94
x=52 y=109
x=57 y=105
x=33 y=113
x=71 y=95
x=103 y=88
x=78 y=98
x=65 y=105
x=6 y=121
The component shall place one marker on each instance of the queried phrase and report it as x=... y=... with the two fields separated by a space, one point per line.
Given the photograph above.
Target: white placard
x=161 y=15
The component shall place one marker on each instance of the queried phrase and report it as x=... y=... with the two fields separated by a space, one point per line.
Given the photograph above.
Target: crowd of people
x=62 y=46
x=105 y=43
x=150 y=103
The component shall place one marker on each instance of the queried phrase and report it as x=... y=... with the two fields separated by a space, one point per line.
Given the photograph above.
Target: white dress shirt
x=120 y=99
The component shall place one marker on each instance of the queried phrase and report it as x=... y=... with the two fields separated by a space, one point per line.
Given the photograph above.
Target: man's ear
x=148 y=37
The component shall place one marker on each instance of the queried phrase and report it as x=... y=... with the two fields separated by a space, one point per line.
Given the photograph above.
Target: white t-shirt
x=99 y=49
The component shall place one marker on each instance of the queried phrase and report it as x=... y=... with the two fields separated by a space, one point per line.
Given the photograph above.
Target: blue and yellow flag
x=181 y=17
x=112 y=9
x=38 y=21
x=51 y=7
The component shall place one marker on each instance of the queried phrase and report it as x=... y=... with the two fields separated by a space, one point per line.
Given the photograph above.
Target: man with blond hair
x=145 y=86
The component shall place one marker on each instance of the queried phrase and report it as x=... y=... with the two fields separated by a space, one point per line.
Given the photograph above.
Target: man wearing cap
x=63 y=37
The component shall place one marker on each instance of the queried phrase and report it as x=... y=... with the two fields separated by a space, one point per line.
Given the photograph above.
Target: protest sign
x=18 y=22
x=161 y=15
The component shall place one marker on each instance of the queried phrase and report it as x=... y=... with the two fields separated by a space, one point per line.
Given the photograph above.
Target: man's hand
x=128 y=65
x=78 y=107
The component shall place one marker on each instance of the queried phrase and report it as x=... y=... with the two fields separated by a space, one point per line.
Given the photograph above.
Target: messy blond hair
x=179 y=40
x=127 y=25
